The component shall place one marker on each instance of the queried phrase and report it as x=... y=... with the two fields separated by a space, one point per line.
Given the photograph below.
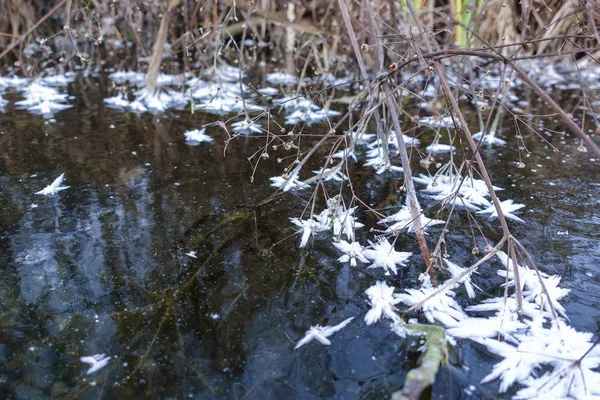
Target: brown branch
x=566 y=119
x=413 y=202
x=467 y=133
x=540 y=92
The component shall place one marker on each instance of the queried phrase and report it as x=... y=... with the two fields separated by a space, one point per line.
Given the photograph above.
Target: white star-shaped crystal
x=246 y=126
x=97 y=362
x=382 y=300
x=286 y=182
x=191 y=254
x=381 y=163
x=328 y=174
x=346 y=223
x=197 y=136
x=352 y=251
x=438 y=121
x=346 y=154
x=441 y=307
x=321 y=333
x=385 y=256
x=403 y=220
x=489 y=139
x=308 y=227
x=54 y=187
x=440 y=148
x=507 y=207
x=455 y=271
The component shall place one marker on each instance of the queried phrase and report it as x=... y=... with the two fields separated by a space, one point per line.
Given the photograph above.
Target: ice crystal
x=403 y=220
x=303 y=110
x=281 y=78
x=439 y=148
x=246 y=126
x=489 y=139
x=507 y=206
x=382 y=301
x=455 y=271
x=97 y=362
x=533 y=283
x=331 y=174
x=345 y=154
x=441 y=307
x=339 y=219
x=473 y=192
x=383 y=255
x=42 y=99
x=352 y=251
x=502 y=324
x=438 y=122
x=308 y=227
x=321 y=333
x=197 y=136
x=380 y=161
x=54 y=187
x=286 y=182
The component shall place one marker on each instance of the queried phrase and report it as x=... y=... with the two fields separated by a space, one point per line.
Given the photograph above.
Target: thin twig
x=33 y=28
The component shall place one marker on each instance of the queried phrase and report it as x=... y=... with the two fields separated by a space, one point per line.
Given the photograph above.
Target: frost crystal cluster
x=540 y=355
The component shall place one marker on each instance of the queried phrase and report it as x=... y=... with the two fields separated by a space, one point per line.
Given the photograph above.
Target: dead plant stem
x=467 y=133
x=413 y=202
x=546 y=97
x=33 y=28
x=154 y=66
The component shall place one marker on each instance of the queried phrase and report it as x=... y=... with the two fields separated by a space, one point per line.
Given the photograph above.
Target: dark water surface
x=101 y=267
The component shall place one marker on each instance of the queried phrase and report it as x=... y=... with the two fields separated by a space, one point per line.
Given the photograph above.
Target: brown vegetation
x=126 y=33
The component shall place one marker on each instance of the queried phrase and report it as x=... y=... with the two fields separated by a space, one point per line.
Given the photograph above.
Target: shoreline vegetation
x=374 y=75
x=178 y=36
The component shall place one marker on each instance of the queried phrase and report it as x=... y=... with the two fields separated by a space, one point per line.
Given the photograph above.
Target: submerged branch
x=435 y=354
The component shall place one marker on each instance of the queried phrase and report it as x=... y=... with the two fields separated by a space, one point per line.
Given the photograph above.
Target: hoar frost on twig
x=525 y=332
